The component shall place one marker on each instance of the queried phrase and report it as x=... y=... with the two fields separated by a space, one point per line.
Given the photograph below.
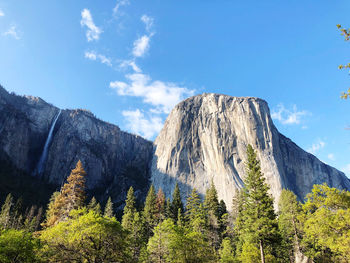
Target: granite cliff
x=114 y=159
x=205 y=137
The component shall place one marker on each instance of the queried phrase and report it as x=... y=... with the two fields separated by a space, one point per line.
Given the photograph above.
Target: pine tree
x=256 y=221
x=168 y=208
x=288 y=222
x=211 y=204
x=226 y=252
x=211 y=201
x=71 y=196
x=195 y=214
x=161 y=205
x=129 y=210
x=95 y=206
x=176 y=203
x=150 y=211
x=6 y=212
x=109 y=212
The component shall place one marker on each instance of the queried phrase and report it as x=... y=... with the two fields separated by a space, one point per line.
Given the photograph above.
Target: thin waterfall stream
x=43 y=157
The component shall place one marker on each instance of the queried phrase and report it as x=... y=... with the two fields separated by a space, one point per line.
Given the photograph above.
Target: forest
x=165 y=229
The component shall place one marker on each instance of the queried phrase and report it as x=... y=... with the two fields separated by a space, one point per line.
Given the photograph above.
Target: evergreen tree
x=150 y=211
x=53 y=211
x=71 y=196
x=212 y=206
x=211 y=201
x=176 y=203
x=161 y=205
x=289 y=224
x=95 y=206
x=196 y=215
x=109 y=212
x=168 y=208
x=133 y=222
x=6 y=212
x=256 y=221
x=226 y=252
x=129 y=210
x=17 y=221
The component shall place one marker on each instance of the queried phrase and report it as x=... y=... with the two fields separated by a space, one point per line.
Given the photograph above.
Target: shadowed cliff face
x=205 y=138
x=114 y=160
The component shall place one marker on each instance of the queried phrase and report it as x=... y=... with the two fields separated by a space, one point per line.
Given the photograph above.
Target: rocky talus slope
x=205 y=137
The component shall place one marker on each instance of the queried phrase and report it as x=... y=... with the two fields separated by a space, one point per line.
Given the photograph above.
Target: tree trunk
x=262 y=252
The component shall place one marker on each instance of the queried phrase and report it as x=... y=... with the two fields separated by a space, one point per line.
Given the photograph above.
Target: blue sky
x=130 y=62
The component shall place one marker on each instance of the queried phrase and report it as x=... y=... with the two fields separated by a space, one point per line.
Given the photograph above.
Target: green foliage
x=327 y=224
x=95 y=206
x=17 y=246
x=6 y=212
x=226 y=252
x=85 y=237
x=177 y=244
x=176 y=203
x=289 y=224
x=109 y=212
x=346 y=34
x=150 y=211
x=250 y=253
x=256 y=222
x=71 y=196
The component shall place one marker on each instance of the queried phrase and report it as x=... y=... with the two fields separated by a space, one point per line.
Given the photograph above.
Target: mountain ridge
x=115 y=159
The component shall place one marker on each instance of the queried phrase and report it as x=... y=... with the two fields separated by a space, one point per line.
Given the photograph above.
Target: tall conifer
x=176 y=203
x=256 y=221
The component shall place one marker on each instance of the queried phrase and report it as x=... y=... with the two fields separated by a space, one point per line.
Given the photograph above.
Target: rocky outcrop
x=114 y=160
x=205 y=137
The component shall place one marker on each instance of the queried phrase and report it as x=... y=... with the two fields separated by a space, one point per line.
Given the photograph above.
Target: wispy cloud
x=13 y=32
x=331 y=156
x=119 y=4
x=92 y=55
x=93 y=32
x=148 y=22
x=130 y=63
x=316 y=147
x=163 y=95
x=139 y=124
x=141 y=45
x=288 y=117
x=2 y=13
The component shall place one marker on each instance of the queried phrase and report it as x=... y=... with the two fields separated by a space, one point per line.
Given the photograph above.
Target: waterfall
x=43 y=157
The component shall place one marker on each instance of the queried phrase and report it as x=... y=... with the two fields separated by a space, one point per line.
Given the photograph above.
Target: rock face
x=114 y=160
x=205 y=137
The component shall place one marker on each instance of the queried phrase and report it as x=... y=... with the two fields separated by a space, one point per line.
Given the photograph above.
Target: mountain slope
x=205 y=137
x=114 y=160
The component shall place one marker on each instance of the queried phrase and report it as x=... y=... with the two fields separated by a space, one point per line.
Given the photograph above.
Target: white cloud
x=119 y=4
x=141 y=45
x=163 y=95
x=130 y=63
x=148 y=22
x=2 y=13
x=13 y=32
x=286 y=116
x=331 y=157
x=316 y=147
x=139 y=124
x=93 y=32
x=92 y=55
